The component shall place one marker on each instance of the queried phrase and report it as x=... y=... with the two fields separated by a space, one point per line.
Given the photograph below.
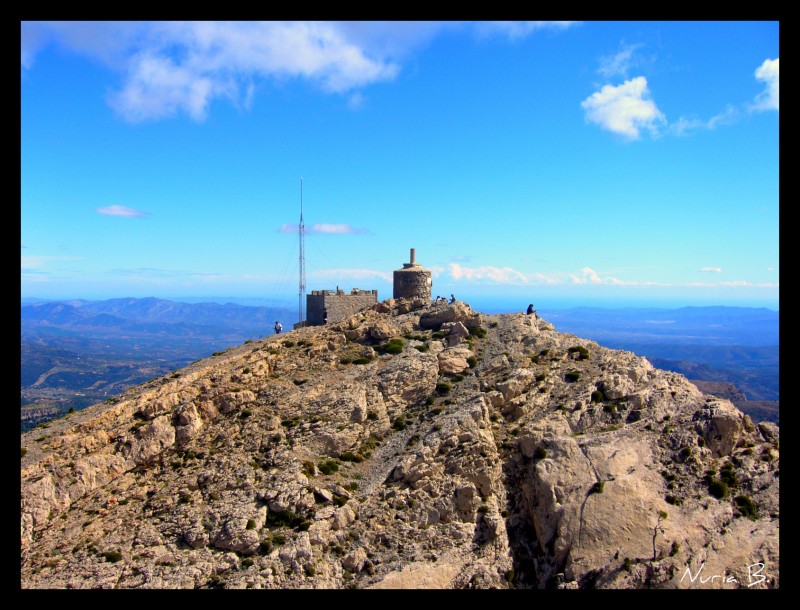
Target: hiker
x=278 y=327
x=530 y=309
x=452 y=298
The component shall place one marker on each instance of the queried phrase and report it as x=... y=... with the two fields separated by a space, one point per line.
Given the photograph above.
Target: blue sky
x=556 y=162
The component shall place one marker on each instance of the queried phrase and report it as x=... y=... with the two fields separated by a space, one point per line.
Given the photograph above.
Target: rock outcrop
x=412 y=445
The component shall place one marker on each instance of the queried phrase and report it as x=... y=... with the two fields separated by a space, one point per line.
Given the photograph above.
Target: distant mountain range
x=76 y=353
x=79 y=352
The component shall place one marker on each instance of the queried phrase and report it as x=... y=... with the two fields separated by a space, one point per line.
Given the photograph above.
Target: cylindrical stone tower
x=412 y=281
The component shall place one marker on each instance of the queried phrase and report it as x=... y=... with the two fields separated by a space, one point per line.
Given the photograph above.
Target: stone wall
x=413 y=282
x=340 y=305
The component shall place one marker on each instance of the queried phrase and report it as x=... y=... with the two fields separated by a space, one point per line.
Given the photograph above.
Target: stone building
x=338 y=304
x=412 y=281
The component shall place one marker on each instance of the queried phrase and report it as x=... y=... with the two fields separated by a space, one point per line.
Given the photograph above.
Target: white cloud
x=519 y=29
x=173 y=67
x=355 y=101
x=590 y=276
x=684 y=126
x=768 y=72
x=711 y=270
x=334 y=229
x=624 y=109
x=121 y=210
x=498 y=275
x=170 y=68
x=618 y=64
x=323 y=229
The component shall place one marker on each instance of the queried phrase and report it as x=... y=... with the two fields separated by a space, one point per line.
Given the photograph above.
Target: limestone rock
x=309 y=472
x=454 y=359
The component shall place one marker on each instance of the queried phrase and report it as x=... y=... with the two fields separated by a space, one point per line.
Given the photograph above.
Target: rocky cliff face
x=412 y=445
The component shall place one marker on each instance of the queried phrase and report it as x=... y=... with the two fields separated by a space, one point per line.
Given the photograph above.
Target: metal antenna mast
x=301 y=232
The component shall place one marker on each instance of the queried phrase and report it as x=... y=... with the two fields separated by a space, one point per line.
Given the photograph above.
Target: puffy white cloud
x=590 y=276
x=711 y=270
x=624 y=109
x=181 y=67
x=769 y=73
x=121 y=210
x=498 y=275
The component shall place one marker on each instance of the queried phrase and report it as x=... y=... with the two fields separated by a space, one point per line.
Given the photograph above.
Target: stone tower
x=412 y=281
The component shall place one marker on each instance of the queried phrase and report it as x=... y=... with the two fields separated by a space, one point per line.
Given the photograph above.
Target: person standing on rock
x=278 y=327
x=452 y=298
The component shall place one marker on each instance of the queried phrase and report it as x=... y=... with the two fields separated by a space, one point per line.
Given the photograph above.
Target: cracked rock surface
x=410 y=446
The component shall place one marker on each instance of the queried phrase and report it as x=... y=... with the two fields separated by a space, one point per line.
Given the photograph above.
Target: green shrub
x=251 y=524
x=345 y=360
x=23 y=452
x=372 y=416
x=394 y=346
x=328 y=466
x=675 y=548
x=349 y=456
x=597 y=396
x=421 y=348
x=627 y=564
x=443 y=387
x=747 y=508
x=584 y=353
x=728 y=476
x=572 y=376
x=362 y=360
x=674 y=500
x=112 y=556
x=400 y=423
x=608 y=408
x=535 y=359
x=472 y=361
x=288 y=343
x=299 y=381
x=597 y=488
x=309 y=468
x=544 y=352
x=540 y=377
x=718 y=489
x=477 y=331
x=540 y=453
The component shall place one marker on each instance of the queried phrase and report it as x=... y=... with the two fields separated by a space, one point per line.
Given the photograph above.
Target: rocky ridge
x=411 y=445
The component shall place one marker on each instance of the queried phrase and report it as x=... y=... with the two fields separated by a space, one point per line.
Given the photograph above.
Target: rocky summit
x=412 y=445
